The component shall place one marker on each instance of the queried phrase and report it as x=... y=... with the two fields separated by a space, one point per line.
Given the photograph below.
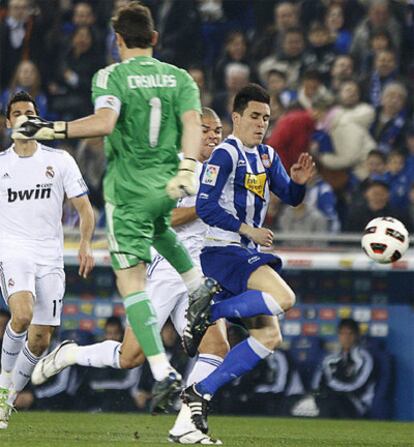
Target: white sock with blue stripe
x=205 y=365
x=25 y=363
x=12 y=345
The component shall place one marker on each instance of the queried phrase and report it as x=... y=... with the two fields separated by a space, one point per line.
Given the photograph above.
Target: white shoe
x=5 y=408
x=52 y=363
x=193 y=437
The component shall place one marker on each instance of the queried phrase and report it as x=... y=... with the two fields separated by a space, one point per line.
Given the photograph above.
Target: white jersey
x=32 y=191
x=192 y=233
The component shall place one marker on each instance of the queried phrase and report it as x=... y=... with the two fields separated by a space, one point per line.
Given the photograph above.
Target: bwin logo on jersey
x=41 y=192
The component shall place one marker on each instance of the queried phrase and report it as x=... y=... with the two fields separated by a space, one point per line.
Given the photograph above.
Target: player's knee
x=220 y=348
x=287 y=299
x=21 y=321
x=131 y=361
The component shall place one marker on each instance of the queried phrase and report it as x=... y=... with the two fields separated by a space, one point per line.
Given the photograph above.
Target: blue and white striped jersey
x=235 y=188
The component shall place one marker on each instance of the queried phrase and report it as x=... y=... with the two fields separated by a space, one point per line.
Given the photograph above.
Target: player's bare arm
x=86 y=226
x=181 y=216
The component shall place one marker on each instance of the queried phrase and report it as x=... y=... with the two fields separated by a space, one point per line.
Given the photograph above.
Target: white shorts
x=167 y=292
x=45 y=282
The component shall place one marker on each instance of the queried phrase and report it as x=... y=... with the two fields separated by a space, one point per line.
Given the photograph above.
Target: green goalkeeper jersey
x=142 y=151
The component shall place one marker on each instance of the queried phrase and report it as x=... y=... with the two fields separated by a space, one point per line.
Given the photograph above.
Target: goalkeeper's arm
x=101 y=123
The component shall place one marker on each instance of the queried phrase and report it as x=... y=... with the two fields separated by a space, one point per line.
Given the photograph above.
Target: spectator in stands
x=179 y=26
x=292 y=134
x=286 y=16
x=409 y=149
x=235 y=50
x=385 y=71
x=290 y=58
x=376 y=166
x=376 y=204
x=320 y=195
x=26 y=78
x=380 y=40
x=237 y=76
x=303 y=219
x=411 y=202
x=398 y=180
x=390 y=117
x=276 y=84
x=320 y=54
x=345 y=382
x=379 y=17
x=311 y=89
x=335 y=22
x=342 y=70
x=76 y=68
x=347 y=125
x=199 y=76
x=20 y=39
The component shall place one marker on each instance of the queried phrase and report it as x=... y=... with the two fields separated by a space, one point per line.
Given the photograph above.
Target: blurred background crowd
x=340 y=74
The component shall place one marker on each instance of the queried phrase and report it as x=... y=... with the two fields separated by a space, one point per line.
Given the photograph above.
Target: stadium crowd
x=340 y=75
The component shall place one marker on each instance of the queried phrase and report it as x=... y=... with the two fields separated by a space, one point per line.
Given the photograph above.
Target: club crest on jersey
x=11 y=282
x=210 y=175
x=50 y=173
x=265 y=160
x=256 y=183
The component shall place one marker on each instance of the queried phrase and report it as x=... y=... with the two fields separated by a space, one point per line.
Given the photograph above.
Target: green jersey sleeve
x=188 y=94
x=106 y=83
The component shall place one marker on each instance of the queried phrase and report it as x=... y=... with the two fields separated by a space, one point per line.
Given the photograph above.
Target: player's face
x=252 y=125
x=347 y=338
x=212 y=135
x=18 y=109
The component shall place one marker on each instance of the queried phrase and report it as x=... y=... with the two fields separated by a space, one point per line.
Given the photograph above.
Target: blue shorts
x=231 y=267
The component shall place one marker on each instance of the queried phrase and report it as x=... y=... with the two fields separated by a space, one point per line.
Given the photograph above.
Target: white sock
x=12 y=345
x=192 y=279
x=205 y=365
x=160 y=366
x=98 y=355
x=25 y=363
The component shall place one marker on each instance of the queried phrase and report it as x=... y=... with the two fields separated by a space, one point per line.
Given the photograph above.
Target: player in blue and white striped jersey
x=233 y=199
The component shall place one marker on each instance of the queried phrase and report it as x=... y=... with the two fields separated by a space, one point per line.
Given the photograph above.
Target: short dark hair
x=252 y=92
x=349 y=323
x=375 y=182
x=21 y=97
x=377 y=153
x=114 y=321
x=135 y=24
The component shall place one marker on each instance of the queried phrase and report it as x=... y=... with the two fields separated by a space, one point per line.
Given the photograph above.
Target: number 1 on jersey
x=154 y=121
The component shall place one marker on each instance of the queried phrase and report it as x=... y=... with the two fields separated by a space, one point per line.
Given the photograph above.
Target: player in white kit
x=34 y=180
x=169 y=296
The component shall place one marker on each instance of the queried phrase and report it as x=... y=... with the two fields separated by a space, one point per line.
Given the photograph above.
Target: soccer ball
x=385 y=240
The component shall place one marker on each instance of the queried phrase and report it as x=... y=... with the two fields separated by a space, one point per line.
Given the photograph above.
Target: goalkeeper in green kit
x=148 y=110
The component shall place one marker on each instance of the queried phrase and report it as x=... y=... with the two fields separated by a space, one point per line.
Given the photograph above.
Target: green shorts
x=131 y=229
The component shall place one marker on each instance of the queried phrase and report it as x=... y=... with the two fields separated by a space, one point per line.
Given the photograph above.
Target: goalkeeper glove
x=36 y=128
x=184 y=183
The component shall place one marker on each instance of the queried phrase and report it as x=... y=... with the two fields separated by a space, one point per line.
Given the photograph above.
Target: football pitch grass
x=46 y=429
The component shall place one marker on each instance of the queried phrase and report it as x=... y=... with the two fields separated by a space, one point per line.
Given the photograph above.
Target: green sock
x=168 y=245
x=143 y=321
